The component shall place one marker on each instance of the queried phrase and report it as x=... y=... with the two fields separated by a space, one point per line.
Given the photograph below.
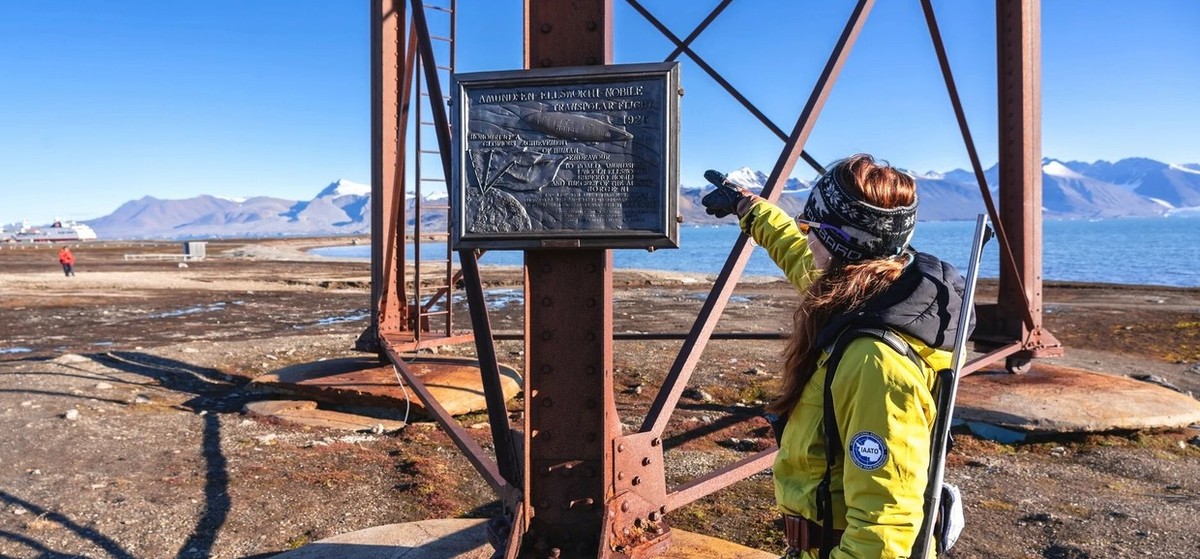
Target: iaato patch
x=868 y=451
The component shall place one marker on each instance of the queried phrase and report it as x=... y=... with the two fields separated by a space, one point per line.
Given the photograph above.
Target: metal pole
x=387 y=21
x=1019 y=68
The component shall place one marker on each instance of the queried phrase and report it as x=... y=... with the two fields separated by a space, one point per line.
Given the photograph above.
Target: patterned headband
x=875 y=232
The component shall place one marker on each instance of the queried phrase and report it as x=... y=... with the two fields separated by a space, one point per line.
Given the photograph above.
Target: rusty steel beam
x=712 y=16
x=714 y=304
x=471 y=449
x=939 y=47
x=714 y=481
x=571 y=419
x=489 y=368
x=1018 y=50
x=682 y=46
x=978 y=364
x=507 y=456
x=387 y=21
x=570 y=412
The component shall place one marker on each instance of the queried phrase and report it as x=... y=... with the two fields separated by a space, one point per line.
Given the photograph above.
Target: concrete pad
x=1053 y=399
x=305 y=412
x=467 y=539
x=363 y=381
x=425 y=539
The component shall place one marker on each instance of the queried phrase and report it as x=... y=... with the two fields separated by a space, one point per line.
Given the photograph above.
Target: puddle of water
x=190 y=310
x=341 y=319
x=4 y=350
x=331 y=320
x=739 y=299
x=495 y=299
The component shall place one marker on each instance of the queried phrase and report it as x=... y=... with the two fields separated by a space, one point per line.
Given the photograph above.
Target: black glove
x=724 y=200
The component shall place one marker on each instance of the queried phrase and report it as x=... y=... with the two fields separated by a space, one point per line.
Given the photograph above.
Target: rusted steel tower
x=572 y=482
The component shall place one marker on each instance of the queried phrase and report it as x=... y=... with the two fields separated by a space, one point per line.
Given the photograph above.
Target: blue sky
x=107 y=101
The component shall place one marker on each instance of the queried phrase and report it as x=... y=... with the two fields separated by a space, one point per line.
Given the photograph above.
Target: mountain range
x=1134 y=187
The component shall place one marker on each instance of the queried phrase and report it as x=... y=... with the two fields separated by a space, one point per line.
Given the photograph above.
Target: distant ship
x=58 y=231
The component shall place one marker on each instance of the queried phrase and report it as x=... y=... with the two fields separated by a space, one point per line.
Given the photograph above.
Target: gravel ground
x=121 y=394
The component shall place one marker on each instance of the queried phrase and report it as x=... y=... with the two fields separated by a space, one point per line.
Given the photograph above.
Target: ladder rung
x=446 y=68
x=431 y=151
x=439 y=9
x=444 y=39
x=435 y=207
x=428 y=122
x=426 y=94
x=433 y=179
x=434 y=313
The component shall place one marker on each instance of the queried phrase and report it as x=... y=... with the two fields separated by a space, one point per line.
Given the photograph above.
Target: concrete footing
x=1051 y=399
x=466 y=539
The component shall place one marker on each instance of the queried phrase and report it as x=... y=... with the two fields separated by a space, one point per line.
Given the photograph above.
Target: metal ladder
x=431 y=307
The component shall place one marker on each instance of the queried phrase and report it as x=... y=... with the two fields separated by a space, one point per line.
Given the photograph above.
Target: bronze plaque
x=566 y=157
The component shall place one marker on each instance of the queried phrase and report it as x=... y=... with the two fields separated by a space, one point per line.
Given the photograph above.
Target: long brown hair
x=843 y=286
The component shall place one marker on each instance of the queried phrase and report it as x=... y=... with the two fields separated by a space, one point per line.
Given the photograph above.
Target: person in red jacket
x=67 y=260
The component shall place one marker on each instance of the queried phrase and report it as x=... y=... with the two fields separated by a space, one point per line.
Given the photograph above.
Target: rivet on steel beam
x=592 y=302
x=547 y=369
x=546 y=302
x=591 y=437
x=625 y=506
x=654 y=516
x=655 y=441
x=591 y=26
x=555 y=552
x=547 y=335
x=637 y=480
x=546 y=268
x=546 y=27
x=591 y=60
x=544 y=504
x=620 y=475
x=680 y=92
x=546 y=62
x=590 y=369
x=547 y=403
x=621 y=447
x=663 y=509
x=646 y=461
x=591 y=268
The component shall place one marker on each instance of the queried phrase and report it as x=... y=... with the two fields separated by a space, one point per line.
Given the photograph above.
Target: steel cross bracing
x=577 y=485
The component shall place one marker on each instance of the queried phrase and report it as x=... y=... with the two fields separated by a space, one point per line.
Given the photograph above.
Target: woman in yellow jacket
x=848 y=254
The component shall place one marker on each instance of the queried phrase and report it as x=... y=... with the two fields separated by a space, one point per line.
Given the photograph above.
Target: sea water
x=1136 y=251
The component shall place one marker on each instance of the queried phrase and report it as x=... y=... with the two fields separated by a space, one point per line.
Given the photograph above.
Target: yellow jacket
x=884 y=408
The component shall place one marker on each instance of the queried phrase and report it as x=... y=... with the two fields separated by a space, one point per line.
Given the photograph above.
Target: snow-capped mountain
x=341 y=208
x=1070 y=190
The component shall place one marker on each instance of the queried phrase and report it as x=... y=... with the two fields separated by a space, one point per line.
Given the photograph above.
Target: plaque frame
x=662 y=232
